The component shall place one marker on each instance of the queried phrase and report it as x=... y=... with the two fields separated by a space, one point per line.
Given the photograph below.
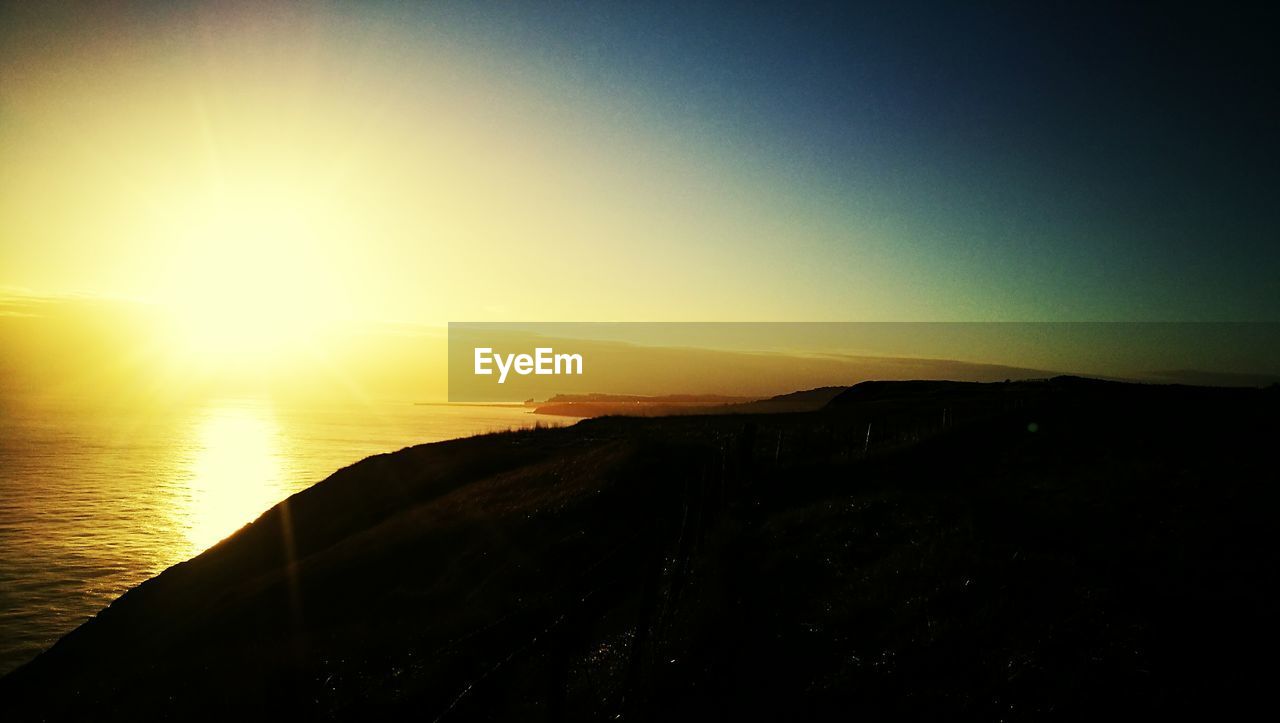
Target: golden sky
x=259 y=181
x=256 y=167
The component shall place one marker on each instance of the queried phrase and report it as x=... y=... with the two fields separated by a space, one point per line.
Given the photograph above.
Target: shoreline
x=1006 y=510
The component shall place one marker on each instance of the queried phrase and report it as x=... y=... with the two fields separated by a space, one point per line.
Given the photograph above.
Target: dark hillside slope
x=1031 y=550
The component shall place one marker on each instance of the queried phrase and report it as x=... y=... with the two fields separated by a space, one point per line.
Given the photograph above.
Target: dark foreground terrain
x=1064 y=549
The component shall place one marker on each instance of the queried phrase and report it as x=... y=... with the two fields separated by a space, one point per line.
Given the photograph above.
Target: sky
x=258 y=171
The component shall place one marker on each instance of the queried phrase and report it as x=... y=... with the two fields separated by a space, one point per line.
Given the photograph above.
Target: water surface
x=95 y=500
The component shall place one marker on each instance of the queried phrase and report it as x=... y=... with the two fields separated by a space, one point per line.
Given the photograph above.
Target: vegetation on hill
x=1056 y=549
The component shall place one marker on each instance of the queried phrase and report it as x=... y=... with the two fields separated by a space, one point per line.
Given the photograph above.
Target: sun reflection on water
x=236 y=472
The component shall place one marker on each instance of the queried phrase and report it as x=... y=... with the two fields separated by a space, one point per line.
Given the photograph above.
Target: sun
x=250 y=282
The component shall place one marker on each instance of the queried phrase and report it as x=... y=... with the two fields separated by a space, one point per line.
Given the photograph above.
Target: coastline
x=550 y=554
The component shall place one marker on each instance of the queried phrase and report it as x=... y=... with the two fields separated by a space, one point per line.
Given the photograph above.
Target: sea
x=96 y=499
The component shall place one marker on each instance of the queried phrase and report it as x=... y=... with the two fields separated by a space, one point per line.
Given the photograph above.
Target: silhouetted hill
x=603 y=405
x=642 y=399
x=629 y=405
x=1057 y=549
x=803 y=401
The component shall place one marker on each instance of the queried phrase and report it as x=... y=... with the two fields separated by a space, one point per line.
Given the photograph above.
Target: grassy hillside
x=1032 y=550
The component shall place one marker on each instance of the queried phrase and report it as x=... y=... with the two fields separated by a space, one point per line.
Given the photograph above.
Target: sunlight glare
x=236 y=473
x=250 y=283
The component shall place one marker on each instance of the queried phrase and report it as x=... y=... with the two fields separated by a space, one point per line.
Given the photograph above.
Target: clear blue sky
x=1072 y=161
x=677 y=161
